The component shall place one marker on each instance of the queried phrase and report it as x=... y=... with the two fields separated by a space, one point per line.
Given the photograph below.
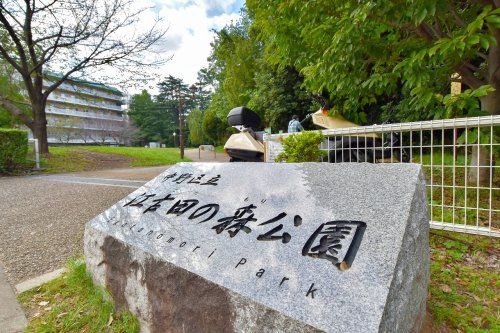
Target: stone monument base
x=166 y=298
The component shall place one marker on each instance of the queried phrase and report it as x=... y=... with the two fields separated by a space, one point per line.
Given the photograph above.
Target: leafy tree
x=243 y=77
x=234 y=61
x=391 y=56
x=157 y=118
x=13 y=92
x=195 y=124
x=400 y=53
x=215 y=129
x=204 y=88
x=278 y=95
x=154 y=120
x=174 y=91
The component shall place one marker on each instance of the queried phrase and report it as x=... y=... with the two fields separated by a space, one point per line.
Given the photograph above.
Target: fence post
x=37 y=155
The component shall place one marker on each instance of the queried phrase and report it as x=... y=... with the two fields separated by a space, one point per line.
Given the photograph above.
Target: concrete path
x=93 y=181
x=140 y=173
x=206 y=156
x=42 y=222
x=12 y=318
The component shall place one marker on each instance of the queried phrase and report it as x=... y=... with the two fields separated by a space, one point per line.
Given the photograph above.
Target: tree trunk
x=481 y=168
x=40 y=126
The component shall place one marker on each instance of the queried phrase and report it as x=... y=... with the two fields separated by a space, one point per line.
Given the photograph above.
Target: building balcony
x=79 y=89
x=76 y=101
x=88 y=128
x=82 y=114
x=108 y=141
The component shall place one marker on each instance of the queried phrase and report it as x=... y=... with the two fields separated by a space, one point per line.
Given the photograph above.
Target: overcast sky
x=189 y=33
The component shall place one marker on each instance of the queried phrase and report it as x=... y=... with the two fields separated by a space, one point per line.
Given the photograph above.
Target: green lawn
x=142 y=156
x=81 y=158
x=72 y=303
x=465 y=289
x=463 y=294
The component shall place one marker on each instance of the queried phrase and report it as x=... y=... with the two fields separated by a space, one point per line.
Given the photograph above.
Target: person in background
x=294 y=125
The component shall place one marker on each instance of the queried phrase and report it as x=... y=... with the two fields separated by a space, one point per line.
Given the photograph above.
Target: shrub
x=13 y=149
x=303 y=147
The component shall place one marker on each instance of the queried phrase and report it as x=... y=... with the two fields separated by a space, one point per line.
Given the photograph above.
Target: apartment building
x=84 y=112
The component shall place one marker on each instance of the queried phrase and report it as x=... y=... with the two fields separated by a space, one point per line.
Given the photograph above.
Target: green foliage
x=242 y=76
x=6 y=118
x=466 y=103
x=278 y=96
x=214 y=128
x=157 y=118
x=234 y=60
x=195 y=124
x=391 y=56
x=11 y=90
x=153 y=121
x=303 y=147
x=74 y=304
x=13 y=149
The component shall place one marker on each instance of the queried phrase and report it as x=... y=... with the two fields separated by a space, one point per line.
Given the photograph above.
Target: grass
x=142 y=156
x=464 y=289
x=65 y=159
x=81 y=158
x=72 y=303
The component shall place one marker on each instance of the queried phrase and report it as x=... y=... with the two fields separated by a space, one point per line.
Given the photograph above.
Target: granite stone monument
x=260 y=247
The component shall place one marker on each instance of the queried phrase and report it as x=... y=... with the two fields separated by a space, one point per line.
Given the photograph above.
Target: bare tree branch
x=71 y=37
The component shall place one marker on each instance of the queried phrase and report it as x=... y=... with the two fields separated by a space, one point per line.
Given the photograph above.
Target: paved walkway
x=74 y=179
x=12 y=318
x=140 y=173
x=206 y=156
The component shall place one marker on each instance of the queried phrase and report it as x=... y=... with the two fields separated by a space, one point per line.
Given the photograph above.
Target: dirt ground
x=100 y=161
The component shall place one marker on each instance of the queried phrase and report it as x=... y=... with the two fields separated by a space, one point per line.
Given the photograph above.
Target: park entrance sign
x=258 y=247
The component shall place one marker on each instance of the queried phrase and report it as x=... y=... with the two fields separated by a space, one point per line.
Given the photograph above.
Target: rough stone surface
x=179 y=275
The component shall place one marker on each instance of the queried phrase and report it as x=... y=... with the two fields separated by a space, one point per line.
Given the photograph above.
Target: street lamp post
x=174 y=139
x=181 y=123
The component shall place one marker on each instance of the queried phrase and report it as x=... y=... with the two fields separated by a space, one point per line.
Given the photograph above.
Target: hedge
x=13 y=149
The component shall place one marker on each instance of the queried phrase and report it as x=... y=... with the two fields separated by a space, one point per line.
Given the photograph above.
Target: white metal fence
x=458 y=157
